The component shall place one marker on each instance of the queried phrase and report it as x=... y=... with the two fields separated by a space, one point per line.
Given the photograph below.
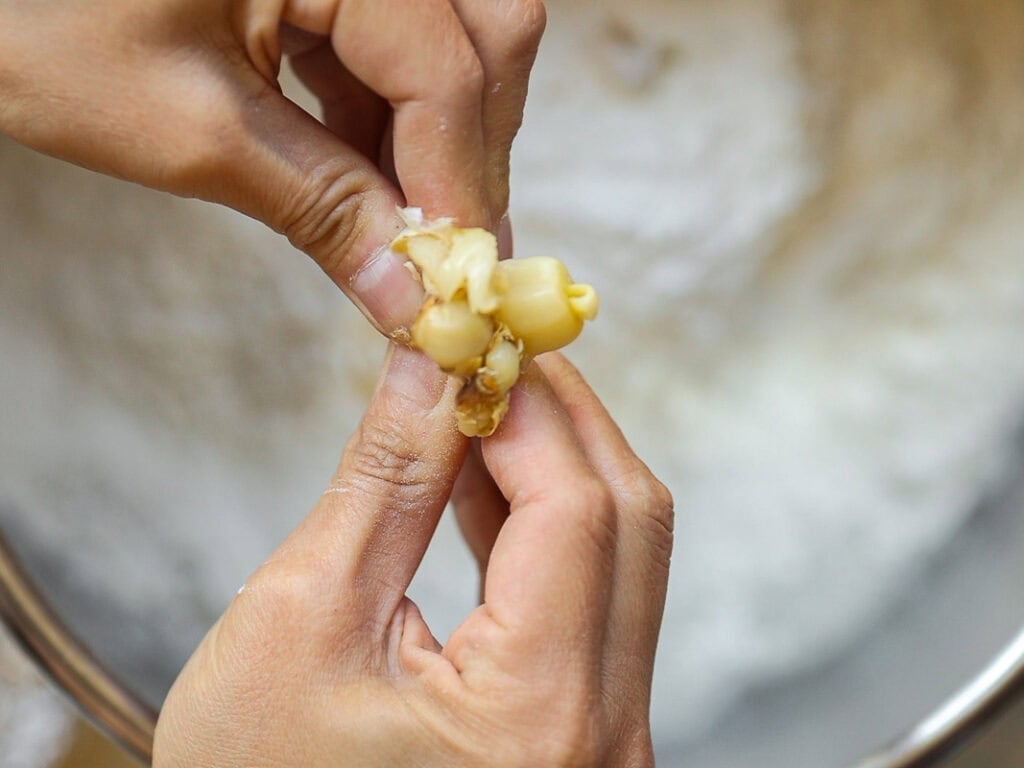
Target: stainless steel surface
x=108 y=703
x=961 y=718
x=131 y=723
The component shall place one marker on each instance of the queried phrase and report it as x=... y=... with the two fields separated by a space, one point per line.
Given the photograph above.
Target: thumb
x=287 y=170
x=371 y=527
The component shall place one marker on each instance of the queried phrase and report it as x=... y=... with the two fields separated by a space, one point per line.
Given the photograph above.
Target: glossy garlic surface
x=483 y=319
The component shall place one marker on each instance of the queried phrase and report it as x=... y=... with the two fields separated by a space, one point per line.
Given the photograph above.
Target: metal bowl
x=986 y=560
x=960 y=615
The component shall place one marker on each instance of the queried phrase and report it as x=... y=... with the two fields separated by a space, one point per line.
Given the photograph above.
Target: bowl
x=807 y=214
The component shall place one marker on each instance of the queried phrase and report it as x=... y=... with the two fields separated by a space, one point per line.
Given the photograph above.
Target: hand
x=322 y=660
x=182 y=95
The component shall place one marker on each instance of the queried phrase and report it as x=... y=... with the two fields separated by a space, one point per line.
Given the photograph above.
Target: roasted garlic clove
x=453 y=335
x=540 y=304
x=501 y=366
x=453 y=262
x=482 y=318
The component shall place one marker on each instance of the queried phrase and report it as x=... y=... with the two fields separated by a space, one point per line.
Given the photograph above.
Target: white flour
x=805 y=224
x=33 y=720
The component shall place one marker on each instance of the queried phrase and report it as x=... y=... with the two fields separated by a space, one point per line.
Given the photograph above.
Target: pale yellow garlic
x=453 y=335
x=455 y=262
x=501 y=366
x=540 y=304
x=483 y=319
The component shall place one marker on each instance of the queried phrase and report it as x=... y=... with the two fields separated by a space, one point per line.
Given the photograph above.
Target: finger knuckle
x=326 y=218
x=655 y=498
x=656 y=515
x=385 y=461
x=661 y=509
x=663 y=505
x=279 y=605
x=468 y=76
x=280 y=592
x=597 y=514
x=526 y=21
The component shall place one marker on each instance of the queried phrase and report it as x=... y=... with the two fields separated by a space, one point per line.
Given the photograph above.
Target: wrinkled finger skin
x=322 y=659
x=421 y=102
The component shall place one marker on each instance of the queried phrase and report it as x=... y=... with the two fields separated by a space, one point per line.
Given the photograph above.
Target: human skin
x=421 y=102
x=322 y=659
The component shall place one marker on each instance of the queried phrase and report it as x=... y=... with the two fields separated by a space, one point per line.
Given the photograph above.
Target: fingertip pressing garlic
x=483 y=319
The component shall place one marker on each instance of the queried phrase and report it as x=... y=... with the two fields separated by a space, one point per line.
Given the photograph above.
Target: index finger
x=419 y=58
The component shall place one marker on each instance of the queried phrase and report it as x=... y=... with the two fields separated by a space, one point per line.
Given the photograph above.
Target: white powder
x=805 y=226
x=827 y=379
x=33 y=721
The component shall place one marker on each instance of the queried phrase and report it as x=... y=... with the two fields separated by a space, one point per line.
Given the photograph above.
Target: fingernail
x=387 y=291
x=505 y=237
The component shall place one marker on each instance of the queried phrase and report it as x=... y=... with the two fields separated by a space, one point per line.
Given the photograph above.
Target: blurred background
x=805 y=221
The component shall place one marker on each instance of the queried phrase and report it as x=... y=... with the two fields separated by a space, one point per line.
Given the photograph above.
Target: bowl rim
x=122 y=714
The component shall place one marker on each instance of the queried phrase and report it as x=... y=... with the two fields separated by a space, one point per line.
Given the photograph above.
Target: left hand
x=421 y=103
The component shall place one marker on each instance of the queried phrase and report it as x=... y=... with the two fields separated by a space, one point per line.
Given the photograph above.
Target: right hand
x=421 y=102
x=322 y=660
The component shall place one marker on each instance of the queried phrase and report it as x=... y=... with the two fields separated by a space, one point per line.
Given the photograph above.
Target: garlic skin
x=483 y=319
